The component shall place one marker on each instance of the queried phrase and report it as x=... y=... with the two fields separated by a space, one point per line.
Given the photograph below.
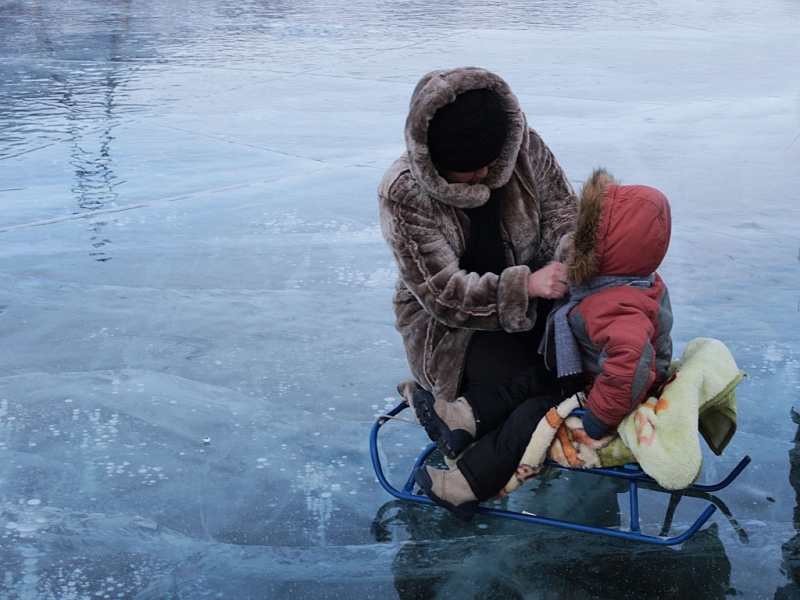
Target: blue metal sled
x=632 y=473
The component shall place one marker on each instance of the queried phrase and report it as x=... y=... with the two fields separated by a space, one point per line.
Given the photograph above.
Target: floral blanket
x=662 y=435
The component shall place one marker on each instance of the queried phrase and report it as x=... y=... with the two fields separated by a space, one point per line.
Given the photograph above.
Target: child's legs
x=490 y=463
x=492 y=405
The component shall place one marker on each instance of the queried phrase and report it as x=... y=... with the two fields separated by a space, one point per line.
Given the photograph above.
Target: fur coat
x=437 y=304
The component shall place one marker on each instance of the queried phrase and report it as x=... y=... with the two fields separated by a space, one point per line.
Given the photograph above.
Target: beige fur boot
x=448 y=489
x=450 y=424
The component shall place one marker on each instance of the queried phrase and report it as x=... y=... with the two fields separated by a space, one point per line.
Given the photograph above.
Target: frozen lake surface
x=195 y=296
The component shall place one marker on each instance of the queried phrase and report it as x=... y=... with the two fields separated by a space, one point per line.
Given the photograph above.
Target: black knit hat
x=469 y=133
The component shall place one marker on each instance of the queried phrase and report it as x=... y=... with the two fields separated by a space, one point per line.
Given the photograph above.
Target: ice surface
x=195 y=296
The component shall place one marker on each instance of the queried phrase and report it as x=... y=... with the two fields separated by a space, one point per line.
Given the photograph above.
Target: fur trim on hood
x=437 y=89
x=620 y=230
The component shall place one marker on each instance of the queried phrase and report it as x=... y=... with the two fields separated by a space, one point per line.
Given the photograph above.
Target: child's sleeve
x=627 y=368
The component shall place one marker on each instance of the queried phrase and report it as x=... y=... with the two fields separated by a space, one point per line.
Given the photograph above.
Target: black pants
x=506 y=416
x=496 y=356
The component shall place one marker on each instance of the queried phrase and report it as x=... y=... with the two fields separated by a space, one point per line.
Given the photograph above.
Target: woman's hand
x=548 y=282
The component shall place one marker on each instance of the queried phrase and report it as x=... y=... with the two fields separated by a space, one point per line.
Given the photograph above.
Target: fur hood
x=620 y=230
x=437 y=89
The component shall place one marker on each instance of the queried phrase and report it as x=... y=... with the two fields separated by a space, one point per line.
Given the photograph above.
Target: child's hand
x=548 y=282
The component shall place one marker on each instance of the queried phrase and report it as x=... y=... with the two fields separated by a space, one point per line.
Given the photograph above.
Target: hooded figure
x=623 y=318
x=465 y=249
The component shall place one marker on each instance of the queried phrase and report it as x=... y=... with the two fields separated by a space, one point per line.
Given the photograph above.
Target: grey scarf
x=558 y=345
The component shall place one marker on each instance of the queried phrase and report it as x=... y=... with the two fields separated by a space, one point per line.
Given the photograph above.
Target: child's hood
x=620 y=230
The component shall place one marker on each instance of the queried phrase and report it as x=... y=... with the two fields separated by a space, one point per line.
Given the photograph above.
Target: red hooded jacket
x=623 y=331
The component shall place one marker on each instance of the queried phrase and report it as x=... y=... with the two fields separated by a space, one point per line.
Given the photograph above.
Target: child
x=610 y=337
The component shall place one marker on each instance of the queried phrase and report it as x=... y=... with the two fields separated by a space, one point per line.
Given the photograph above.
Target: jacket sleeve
x=627 y=365
x=426 y=243
x=558 y=202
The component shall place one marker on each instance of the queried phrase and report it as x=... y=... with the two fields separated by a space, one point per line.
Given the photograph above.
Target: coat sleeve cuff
x=515 y=311
x=593 y=426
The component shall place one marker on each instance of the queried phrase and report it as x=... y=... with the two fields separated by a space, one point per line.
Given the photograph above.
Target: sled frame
x=632 y=473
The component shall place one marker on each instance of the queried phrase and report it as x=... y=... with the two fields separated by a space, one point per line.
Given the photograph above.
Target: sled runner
x=656 y=447
x=632 y=473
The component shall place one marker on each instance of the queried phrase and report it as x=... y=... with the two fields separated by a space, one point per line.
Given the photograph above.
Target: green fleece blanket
x=662 y=435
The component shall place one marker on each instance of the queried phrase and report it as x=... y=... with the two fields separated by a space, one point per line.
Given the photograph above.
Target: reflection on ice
x=549 y=564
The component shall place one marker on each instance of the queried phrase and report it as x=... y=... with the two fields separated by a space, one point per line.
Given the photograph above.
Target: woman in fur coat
x=612 y=336
x=475 y=213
